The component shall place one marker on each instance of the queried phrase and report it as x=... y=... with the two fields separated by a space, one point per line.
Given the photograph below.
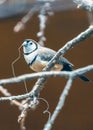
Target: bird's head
x=29 y=46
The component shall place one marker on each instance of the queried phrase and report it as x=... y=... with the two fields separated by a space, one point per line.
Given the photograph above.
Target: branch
x=59 y=106
x=45 y=12
x=39 y=84
x=22 y=23
x=33 y=76
x=85 y=4
x=72 y=74
x=81 y=37
x=5 y=92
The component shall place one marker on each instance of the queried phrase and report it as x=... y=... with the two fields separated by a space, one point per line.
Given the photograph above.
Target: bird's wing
x=46 y=54
x=67 y=65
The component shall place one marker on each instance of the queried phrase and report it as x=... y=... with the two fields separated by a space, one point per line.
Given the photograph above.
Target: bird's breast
x=39 y=66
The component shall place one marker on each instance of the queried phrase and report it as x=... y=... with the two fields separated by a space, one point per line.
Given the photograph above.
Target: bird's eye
x=30 y=43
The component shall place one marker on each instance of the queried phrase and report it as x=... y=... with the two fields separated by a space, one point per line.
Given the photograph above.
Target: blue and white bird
x=37 y=57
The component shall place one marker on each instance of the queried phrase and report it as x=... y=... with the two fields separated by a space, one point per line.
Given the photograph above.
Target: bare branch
x=81 y=37
x=39 y=84
x=46 y=74
x=43 y=16
x=84 y=35
x=71 y=74
x=22 y=23
x=32 y=97
x=85 y=4
x=33 y=76
x=5 y=92
x=18 y=97
x=37 y=7
x=60 y=105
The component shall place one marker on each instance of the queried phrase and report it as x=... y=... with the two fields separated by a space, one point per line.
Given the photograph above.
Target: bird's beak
x=24 y=43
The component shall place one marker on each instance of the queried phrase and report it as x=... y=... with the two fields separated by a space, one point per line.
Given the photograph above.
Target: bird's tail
x=69 y=67
x=84 y=78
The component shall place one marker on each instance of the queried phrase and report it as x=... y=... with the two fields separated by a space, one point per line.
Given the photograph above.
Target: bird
x=37 y=57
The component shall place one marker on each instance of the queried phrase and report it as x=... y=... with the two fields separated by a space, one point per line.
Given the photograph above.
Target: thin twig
x=32 y=76
x=5 y=92
x=22 y=23
x=45 y=12
x=46 y=74
x=60 y=105
x=72 y=74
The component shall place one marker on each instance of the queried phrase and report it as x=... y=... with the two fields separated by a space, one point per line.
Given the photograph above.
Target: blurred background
x=66 y=23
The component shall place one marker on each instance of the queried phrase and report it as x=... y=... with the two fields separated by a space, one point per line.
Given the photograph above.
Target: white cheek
x=33 y=47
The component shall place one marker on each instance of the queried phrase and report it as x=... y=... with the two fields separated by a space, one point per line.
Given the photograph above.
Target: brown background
x=77 y=113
